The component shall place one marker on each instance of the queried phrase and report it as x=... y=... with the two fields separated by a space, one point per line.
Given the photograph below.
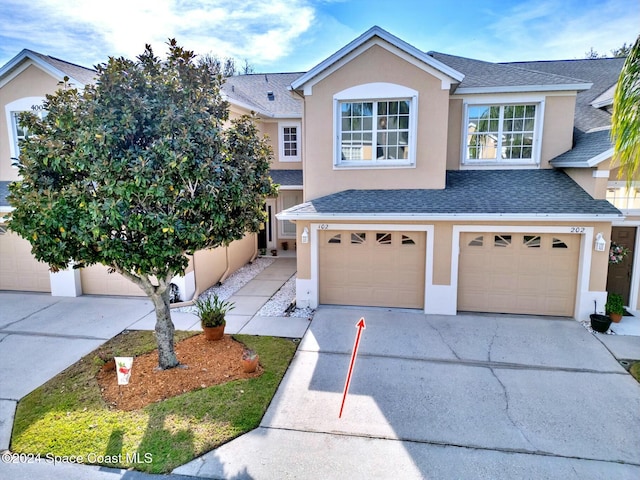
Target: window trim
x=375 y=92
x=502 y=101
x=25 y=104
x=281 y=155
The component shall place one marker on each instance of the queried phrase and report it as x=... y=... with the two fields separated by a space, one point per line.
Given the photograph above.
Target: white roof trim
x=524 y=88
x=329 y=65
x=37 y=61
x=378 y=217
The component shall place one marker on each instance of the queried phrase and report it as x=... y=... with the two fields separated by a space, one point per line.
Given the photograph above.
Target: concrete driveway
x=443 y=397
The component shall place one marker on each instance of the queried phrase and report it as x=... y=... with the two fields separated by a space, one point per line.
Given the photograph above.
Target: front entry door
x=619 y=276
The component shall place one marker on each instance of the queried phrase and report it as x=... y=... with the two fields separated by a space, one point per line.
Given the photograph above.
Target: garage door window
x=531 y=241
x=502 y=241
x=358 y=238
x=557 y=243
x=406 y=240
x=477 y=242
x=383 y=238
x=336 y=238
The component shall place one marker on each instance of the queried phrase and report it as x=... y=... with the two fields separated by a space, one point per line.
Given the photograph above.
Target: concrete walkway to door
x=447 y=397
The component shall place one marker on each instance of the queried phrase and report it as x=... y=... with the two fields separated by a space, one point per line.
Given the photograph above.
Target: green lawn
x=67 y=417
x=635 y=370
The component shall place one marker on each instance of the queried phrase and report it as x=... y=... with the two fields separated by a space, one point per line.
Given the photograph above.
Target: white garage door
x=19 y=270
x=376 y=268
x=518 y=273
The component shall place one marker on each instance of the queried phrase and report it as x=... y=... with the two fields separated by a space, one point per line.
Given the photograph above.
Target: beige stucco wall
x=596 y=187
x=454 y=134
x=32 y=82
x=557 y=135
x=375 y=65
x=210 y=265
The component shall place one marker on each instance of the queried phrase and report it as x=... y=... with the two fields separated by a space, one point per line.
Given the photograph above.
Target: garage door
x=19 y=270
x=376 y=268
x=518 y=273
x=96 y=280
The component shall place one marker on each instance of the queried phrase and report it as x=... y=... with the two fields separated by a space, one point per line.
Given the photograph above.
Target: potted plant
x=614 y=307
x=212 y=311
x=249 y=360
x=599 y=323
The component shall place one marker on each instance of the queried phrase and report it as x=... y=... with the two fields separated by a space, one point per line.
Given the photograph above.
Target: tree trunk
x=164 y=331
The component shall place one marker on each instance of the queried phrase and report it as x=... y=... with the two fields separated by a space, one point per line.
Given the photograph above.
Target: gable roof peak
x=353 y=48
x=54 y=66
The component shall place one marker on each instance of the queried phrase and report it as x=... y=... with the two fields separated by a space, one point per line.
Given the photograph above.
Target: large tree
x=138 y=171
x=625 y=121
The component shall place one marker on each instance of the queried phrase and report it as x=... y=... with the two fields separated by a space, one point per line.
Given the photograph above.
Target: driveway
x=443 y=397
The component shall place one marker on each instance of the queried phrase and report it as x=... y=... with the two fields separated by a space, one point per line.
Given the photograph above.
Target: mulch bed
x=208 y=363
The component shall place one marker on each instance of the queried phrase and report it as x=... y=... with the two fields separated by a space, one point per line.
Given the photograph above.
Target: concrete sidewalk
x=248 y=302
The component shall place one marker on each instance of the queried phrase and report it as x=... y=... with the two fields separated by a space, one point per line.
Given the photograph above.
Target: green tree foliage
x=138 y=171
x=625 y=121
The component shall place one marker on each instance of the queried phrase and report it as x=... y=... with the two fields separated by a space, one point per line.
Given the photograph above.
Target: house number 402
x=578 y=229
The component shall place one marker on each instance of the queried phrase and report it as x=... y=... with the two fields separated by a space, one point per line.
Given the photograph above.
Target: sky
x=295 y=35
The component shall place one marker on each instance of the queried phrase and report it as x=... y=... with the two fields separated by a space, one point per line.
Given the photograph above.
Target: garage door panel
x=372 y=268
x=533 y=273
x=19 y=270
x=96 y=280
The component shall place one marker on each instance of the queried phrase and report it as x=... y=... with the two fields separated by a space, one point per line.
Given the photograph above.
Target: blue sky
x=294 y=35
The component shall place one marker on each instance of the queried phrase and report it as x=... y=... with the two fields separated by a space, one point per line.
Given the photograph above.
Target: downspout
x=226 y=273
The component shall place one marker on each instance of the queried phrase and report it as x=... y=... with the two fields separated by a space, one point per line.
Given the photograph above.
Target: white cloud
x=537 y=30
x=259 y=30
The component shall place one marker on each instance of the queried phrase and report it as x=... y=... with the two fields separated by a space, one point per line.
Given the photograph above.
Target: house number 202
x=578 y=229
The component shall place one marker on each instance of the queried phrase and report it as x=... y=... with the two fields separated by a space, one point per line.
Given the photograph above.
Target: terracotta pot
x=109 y=365
x=615 y=317
x=249 y=366
x=213 y=333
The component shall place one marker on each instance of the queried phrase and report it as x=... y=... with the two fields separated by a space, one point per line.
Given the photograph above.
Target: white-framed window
x=17 y=132
x=289 y=141
x=375 y=126
x=622 y=198
x=288 y=199
x=498 y=133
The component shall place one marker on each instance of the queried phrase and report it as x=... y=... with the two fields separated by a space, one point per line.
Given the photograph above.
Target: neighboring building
x=24 y=82
x=450 y=184
x=430 y=181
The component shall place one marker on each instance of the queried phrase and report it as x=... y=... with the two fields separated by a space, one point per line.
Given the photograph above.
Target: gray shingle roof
x=587 y=146
x=82 y=74
x=253 y=90
x=480 y=74
x=602 y=72
x=289 y=178
x=537 y=192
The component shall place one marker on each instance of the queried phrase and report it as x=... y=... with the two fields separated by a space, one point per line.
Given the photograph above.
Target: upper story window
x=17 y=133
x=289 y=143
x=501 y=134
x=375 y=126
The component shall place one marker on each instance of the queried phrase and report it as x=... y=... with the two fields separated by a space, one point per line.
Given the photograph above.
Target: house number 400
x=578 y=229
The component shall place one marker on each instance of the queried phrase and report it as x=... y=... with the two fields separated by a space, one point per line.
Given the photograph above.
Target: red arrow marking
x=361 y=326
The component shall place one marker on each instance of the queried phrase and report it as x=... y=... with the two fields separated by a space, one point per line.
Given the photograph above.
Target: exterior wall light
x=601 y=243
x=304 y=238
